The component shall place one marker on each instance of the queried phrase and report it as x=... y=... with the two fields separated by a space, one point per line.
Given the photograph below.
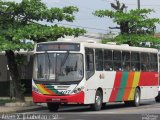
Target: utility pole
x=138 y=4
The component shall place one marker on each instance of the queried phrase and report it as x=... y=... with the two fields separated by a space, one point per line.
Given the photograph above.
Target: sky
x=85 y=19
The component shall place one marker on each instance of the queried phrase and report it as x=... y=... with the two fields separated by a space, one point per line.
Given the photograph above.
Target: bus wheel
x=103 y=106
x=136 y=100
x=53 y=107
x=98 y=102
x=157 y=98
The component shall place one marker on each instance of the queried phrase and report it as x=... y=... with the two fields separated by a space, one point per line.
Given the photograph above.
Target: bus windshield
x=59 y=67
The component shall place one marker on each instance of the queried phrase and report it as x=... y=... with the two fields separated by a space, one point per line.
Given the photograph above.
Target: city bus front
x=58 y=74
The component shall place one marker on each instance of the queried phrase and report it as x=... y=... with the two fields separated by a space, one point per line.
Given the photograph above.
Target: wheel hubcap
x=137 y=98
x=98 y=100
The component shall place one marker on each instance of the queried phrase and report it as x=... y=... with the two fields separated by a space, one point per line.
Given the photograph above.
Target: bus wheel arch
x=137 y=96
x=97 y=105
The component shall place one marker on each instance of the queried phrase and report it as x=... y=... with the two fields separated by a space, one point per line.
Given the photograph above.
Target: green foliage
x=20 y=21
x=134 y=39
x=4 y=101
x=135 y=25
x=136 y=17
x=20 y=59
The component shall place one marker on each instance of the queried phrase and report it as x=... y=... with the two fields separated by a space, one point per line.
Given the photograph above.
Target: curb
x=20 y=104
x=23 y=109
x=19 y=107
x=31 y=109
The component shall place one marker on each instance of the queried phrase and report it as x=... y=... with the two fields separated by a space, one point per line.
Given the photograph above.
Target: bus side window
x=99 y=59
x=145 y=62
x=117 y=60
x=89 y=54
x=126 y=61
x=108 y=64
x=153 y=62
x=135 y=61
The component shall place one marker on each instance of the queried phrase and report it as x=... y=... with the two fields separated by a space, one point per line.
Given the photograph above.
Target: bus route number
x=65 y=92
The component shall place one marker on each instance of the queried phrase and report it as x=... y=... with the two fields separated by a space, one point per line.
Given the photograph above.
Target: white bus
x=93 y=73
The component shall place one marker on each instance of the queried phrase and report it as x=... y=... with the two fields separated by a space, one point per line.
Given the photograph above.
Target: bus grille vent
x=62 y=87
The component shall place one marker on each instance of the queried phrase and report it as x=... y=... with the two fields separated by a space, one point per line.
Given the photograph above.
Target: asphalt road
x=148 y=110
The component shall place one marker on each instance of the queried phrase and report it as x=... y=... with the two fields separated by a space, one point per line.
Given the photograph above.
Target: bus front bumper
x=75 y=98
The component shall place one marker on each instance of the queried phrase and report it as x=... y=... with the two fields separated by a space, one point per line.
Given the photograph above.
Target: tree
x=135 y=25
x=20 y=21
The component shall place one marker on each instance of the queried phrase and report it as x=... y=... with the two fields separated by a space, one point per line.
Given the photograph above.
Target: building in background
x=25 y=71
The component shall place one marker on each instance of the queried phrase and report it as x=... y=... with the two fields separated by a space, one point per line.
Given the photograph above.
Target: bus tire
x=98 y=101
x=136 y=101
x=103 y=106
x=157 y=98
x=53 y=107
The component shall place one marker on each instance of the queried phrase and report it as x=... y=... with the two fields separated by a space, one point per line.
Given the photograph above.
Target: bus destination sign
x=58 y=47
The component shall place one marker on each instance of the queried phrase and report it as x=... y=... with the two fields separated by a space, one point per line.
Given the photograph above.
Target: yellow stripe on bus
x=134 y=85
x=43 y=91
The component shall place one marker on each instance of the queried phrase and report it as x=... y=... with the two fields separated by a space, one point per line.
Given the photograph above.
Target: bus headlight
x=77 y=90
x=35 y=90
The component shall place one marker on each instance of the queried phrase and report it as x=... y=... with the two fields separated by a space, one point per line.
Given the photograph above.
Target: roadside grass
x=4 y=101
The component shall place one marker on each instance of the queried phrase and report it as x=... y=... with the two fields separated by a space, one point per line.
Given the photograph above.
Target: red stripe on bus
x=116 y=86
x=148 y=79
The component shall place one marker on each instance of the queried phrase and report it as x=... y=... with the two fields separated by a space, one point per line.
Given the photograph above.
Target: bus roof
x=122 y=47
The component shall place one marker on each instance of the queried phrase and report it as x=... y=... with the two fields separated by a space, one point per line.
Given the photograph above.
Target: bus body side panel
x=149 y=85
x=100 y=79
x=126 y=82
x=108 y=83
x=90 y=88
x=120 y=86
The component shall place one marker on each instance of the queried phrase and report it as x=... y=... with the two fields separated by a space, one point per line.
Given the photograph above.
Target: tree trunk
x=124 y=27
x=13 y=69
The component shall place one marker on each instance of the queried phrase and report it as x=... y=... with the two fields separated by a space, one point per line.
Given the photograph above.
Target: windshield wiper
x=64 y=61
x=65 y=58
